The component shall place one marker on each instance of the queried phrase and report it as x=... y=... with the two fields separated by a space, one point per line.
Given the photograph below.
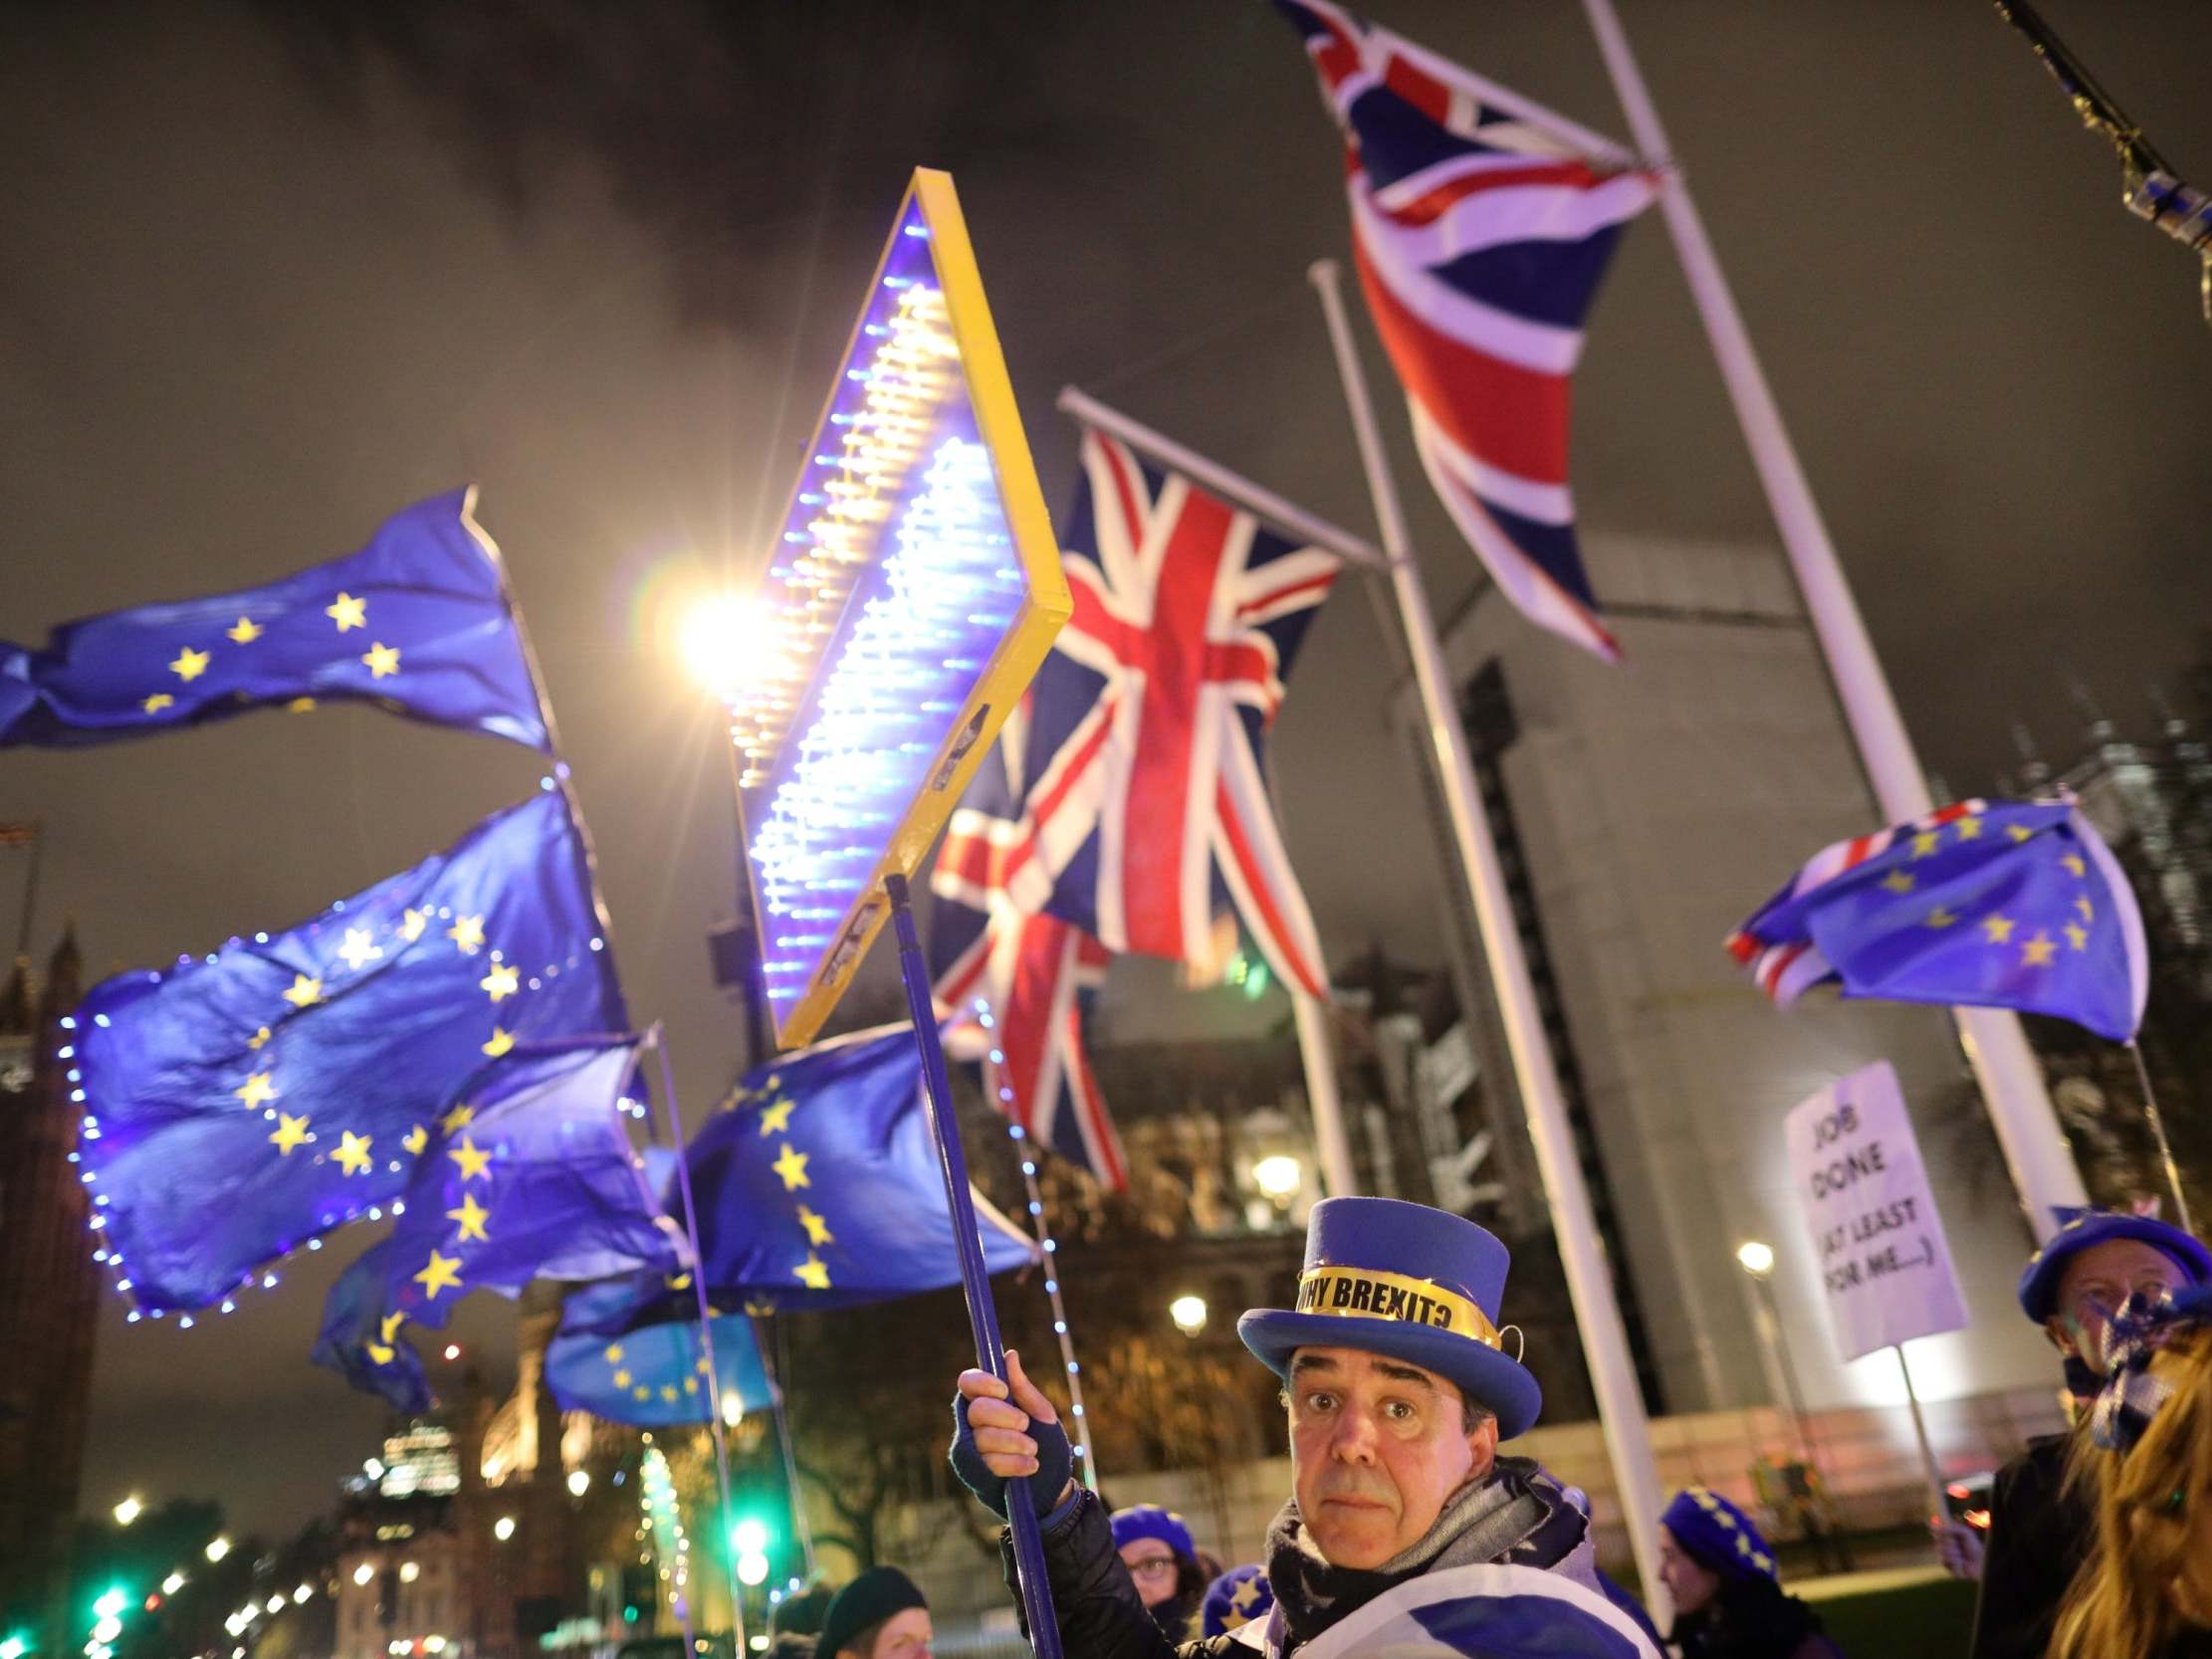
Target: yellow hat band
x=1370 y=1292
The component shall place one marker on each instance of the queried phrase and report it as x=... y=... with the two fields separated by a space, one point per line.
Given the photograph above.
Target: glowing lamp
x=580 y=1482
x=363 y=1573
x=749 y=1537
x=503 y=1527
x=1278 y=1178
x=1189 y=1313
x=751 y=1569
x=217 y=1547
x=128 y=1511
x=914 y=590
x=1755 y=1258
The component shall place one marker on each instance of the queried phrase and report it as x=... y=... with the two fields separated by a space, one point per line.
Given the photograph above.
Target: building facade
x=1642 y=812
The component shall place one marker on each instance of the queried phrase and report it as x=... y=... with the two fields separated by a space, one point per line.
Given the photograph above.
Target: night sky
x=271 y=273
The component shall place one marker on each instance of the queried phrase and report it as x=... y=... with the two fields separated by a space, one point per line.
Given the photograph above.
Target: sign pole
x=1921 y=1433
x=983 y=1313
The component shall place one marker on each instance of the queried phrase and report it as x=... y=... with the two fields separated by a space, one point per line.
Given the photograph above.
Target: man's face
x=904 y=1636
x=2096 y=1284
x=1377 y=1448
x=1690 y=1587
x=1152 y=1565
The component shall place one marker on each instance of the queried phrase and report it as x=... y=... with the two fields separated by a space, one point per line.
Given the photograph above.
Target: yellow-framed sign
x=914 y=593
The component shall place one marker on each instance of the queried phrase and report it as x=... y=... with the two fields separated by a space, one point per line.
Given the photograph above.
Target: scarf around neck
x=1514 y=1512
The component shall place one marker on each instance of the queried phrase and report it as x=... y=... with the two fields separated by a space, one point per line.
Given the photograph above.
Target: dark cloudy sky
x=268 y=273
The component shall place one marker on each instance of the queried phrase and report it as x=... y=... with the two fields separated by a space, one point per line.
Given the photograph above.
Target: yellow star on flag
x=1998 y=928
x=474 y=1161
x=471 y=1215
x=257 y=1090
x=304 y=992
x=817 y=1230
x=1942 y=917
x=641 y=1392
x=390 y=1325
x=242 y=632
x=2075 y=867
x=457 y=1120
x=299 y=705
x=760 y=1307
x=621 y=1380
x=2087 y=910
x=501 y=983
x=349 y=612
x=378 y=1352
x=189 y=665
x=352 y=1154
x=439 y=1274
x=157 y=701
x=381 y=659
x=258 y=1038
x=358 y=950
x=813 y=1273
x=500 y=1042
x=1924 y=844
x=1898 y=881
x=777 y=1119
x=615 y=1353
x=691 y=1385
x=2078 y=936
x=668 y=1393
x=467 y=932
x=2036 y=952
x=792 y=1166
x=2020 y=833
x=415 y=1139
x=291 y=1131
x=411 y=924
x=1969 y=829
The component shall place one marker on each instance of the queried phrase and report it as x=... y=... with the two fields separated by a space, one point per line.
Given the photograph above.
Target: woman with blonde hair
x=2146 y=1590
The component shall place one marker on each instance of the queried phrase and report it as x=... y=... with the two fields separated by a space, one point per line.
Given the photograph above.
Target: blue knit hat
x=1719 y=1533
x=1410 y=1283
x=1150 y=1521
x=2081 y=1228
x=1235 y=1599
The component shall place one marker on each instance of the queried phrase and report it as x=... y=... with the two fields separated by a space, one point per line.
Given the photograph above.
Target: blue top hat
x=2079 y=1228
x=1720 y=1535
x=1412 y=1282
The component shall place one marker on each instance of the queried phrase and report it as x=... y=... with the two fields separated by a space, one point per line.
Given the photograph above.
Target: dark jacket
x=1101 y=1615
x=1752 y=1619
x=2040 y=1530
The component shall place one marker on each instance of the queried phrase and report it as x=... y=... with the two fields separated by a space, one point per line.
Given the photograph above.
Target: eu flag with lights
x=527 y=1175
x=1992 y=904
x=238 y=1105
x=614 y=1359
x=417 y=621
x=817 y=1183
x=1147 y=814
x=1016 y=987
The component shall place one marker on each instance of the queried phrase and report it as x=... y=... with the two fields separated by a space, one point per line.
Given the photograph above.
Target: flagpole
x=1605 y=1341
x=2012 y=1082
x=2158 y=1130
x=706 y=1341
x=983 y=1313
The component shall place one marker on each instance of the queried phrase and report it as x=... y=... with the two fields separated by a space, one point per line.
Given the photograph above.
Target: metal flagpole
x=706 y=1340
x=2158 y=1129
x=1332 y=1143
x=767 y=1333
x=2012 y=1082
x=1605 y=1341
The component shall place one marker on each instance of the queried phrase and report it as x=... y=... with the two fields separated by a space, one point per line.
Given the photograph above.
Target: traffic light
x=14 y=1645
x=749 y=1542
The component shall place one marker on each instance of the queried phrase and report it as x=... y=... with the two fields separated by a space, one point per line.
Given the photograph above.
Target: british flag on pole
x=1015 y=985
x=1147 y=812
x=1480 y=238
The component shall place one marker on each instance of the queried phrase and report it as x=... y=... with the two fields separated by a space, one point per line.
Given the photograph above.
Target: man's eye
x=1320 y=1402
x=1398 y=1411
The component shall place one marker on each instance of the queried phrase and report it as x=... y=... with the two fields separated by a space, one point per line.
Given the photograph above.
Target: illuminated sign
x=914 y=591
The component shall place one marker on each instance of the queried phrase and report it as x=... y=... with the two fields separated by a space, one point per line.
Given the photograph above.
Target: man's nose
x=1354 y=1438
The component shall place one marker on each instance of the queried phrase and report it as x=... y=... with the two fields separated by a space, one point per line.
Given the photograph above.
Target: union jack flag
x=1147 y=812
x=1480 y=239
x=1015 y=985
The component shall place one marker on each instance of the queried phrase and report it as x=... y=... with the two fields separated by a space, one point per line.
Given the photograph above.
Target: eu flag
x=817 y=1183
x=239 y=1103
x=528 y=1177
x=418 y=621
x=1994 y=903
x=362 y=1342
x=653 y=1374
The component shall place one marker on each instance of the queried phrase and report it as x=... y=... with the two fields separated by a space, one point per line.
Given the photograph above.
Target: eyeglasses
x=1151 y=1567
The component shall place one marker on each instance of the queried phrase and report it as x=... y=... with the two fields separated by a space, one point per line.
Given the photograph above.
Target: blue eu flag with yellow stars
x=239 y=1103
x=1992 y=904
x=528 y=1175
x=417 y=621
x=817 y=1184
x=654 y=1373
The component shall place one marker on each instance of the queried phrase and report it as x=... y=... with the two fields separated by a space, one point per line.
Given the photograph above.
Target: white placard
x=1885 y=1267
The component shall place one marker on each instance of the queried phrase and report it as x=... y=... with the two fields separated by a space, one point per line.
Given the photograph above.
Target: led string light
x=656 y=1499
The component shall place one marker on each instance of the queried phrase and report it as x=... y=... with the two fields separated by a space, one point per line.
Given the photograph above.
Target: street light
x=1757 y=1260
x=733 y=1408
x=722 y=640
x=1189 y=1313
x=217 y=1547
x=503 y=1527
x=128 y=1511
x=1279 y=1177
x=580 y=1482
x=169 y=1587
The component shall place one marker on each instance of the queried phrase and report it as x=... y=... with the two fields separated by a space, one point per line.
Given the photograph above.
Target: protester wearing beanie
x=1157 y=1550
x=1728 y=1603
x=797 y=1621
x=879 y=1616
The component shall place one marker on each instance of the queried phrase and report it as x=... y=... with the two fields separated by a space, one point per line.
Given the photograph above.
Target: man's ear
x=1482 y=1442
x=2062 y=1338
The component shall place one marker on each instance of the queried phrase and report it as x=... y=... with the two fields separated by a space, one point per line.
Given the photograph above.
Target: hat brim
x=2038 y=1285
x=1499 y=1386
